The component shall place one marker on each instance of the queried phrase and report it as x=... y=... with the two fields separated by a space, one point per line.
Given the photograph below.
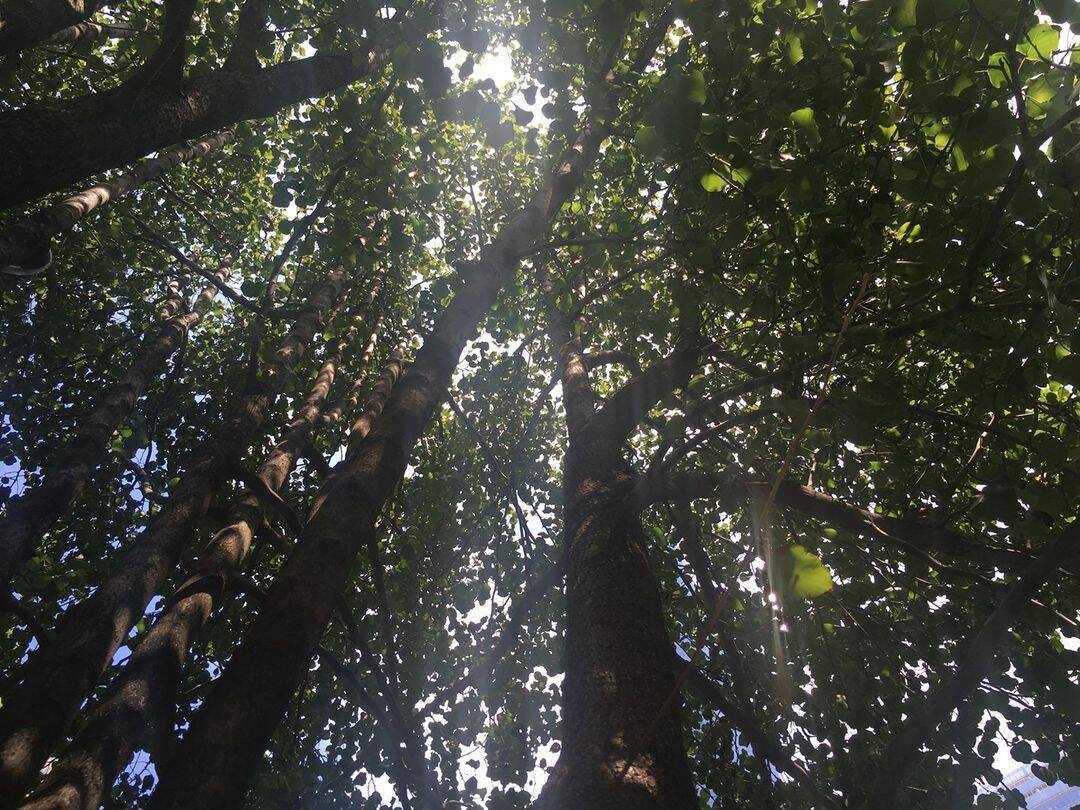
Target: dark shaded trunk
x=622 y=743
x=223 y=747
x=48 y=147
x=34 y=512
x=56 y=679
x=25 y=23
x=25 y=247
x=145 y=690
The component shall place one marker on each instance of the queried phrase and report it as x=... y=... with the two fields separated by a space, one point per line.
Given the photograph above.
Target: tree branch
x=626 y=407
x=194 y=266
x=981 y=246
x=762 y=743
x=973 y=664
x=595 y=360
x=252 y=22
x=166 y=64
x=921 y=536
x=260 y=489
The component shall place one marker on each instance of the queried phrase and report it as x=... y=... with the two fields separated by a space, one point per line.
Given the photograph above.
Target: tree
x=612 y=404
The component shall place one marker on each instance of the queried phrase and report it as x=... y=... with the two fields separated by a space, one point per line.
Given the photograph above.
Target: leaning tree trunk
x=39 y=708
x=144 y=692
x=48 y=147
x=25 y=23
x=221 y=750
x=25 y=246
x=32 y=514
x=622 y=745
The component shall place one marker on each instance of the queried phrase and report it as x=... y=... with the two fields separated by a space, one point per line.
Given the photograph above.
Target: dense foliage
x=851 y=229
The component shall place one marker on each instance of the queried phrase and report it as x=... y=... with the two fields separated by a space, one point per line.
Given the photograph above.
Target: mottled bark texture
x=622 y=743
x=32 y=514
x=25 y=23
x=39 y=707
x=47 y=147
x=25 y=247
x=379 y=396
x=224 y=745
x=144 y=692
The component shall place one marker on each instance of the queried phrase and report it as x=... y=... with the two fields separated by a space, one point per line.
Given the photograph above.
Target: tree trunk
x=48 y=147
x=225 y=742
x=145 y=690
x=25 y=246
x=25 y=23
x=33 y=513
x=56 y=679
x=622 y=743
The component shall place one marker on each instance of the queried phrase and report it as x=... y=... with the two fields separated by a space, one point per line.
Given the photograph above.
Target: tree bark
x=48 y=147
x=622 y=741
x=36 y=511
x=25 y=23
x=56 y=679
x=88 y=31
x=224 y=744
x=25 y=246
x=146 y=688
x=379 y=396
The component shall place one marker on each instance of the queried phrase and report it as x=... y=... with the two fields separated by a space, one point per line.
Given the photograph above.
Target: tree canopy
x=532 y=403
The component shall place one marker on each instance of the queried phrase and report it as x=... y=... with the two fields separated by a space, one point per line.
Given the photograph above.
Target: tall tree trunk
x=224 y=744
x=56 y=679
x=622 y=743
x=24 y=23
x=32 y=514
x=144 y=691
x=48 y=147
x=25 y=246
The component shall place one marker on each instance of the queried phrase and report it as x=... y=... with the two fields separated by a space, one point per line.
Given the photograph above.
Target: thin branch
x=761 y=742
x=974 y=664
x=910 y=534
x=990 y=229
x=194 y=266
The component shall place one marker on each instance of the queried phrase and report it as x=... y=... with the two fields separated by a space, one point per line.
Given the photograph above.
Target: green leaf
x=710 y=181
x=1040 y=42
x=648 y=141
x=794 y=48
x=903 y=13
x=998 y=69
x=809 y=576
x=1059 y=11
x=1038 y=97
x=695 y=87
x=803 y=118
